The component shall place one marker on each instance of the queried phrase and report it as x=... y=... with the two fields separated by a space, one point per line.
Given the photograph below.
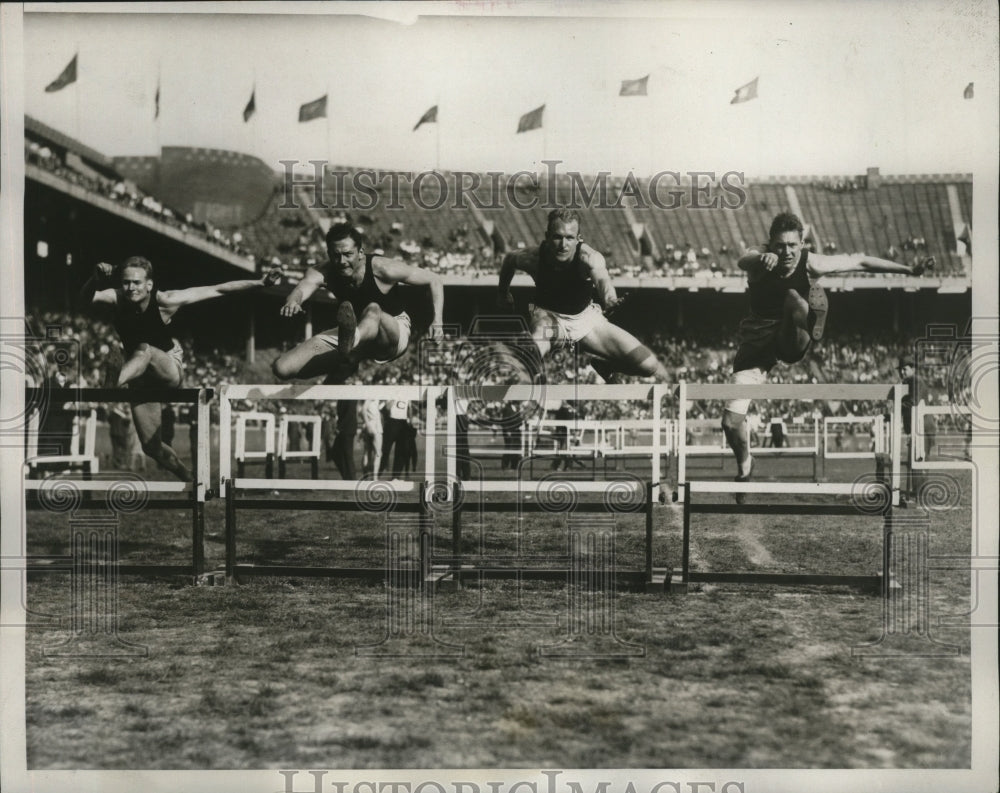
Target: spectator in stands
x=787 y=314
x=347 y=430
x=395 y=434
x=371 y=433
x=141 y=315
x=372 y=323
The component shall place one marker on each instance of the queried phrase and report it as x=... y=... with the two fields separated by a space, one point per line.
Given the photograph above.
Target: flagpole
x=437 y=133
x=326 y=115
x=77 y=92
x=156 y=118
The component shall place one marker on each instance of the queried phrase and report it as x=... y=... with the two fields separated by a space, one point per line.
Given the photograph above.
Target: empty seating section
x=902 y=216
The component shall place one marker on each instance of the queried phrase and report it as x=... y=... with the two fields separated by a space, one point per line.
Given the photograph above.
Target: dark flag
x=745 y=92
x=634 y=87
x=314 y=109
x=251 y=107
x=430 y=117
x=968 y=93
x=156 y=102
x=532 y=120
x=68 y=76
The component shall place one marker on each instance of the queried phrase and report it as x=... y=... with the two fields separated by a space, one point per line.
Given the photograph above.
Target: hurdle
x=82 y=446
x=873 y=497
x=311 y=455
x=919 y=411
x=619 y=496
x=880 y=433
x=369 y=495
x=64 y=493
x=243 y=455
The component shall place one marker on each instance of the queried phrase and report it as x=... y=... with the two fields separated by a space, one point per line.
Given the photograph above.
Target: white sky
x=843 y=85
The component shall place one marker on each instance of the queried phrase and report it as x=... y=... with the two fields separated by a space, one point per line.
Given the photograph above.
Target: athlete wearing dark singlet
x=566 y=289
x=759 y=330
x=141 y=327
x=360 y=296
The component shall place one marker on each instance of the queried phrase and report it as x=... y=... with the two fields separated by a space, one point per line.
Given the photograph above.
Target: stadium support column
x=309 y=322
x=251 y=340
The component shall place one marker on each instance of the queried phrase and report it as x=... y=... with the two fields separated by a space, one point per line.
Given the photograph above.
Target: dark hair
x=141 y=263
x=786 y=221
x=906 y=360
x=562 y=215
x=341 y=231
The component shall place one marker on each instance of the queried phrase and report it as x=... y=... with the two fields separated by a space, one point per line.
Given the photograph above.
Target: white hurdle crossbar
x=232 y=393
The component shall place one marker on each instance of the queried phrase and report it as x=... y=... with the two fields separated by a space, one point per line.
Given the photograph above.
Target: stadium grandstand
x=678 y=266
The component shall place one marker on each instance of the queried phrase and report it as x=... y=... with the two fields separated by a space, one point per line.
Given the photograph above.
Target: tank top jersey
x=367 y=292
x=141 y=327
x=566 y=291
x=767 y=295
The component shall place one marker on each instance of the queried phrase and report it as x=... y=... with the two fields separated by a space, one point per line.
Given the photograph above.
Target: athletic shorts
x=177 y=353
x=403 y=320
x=758 y=343
x=752 y=376
x=569 y=327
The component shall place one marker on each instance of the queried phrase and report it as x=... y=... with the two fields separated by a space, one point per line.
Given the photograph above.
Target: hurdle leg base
x=676 y=585
x=659 y=581
x=214 y=578
x=442 y=578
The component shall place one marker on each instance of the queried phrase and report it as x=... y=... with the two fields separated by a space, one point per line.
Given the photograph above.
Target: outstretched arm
x=91 y=295
x=175 y=298
x=512 y=262
x=820 y=265
x=394 y=271
x=311 y=281
x=602 y=280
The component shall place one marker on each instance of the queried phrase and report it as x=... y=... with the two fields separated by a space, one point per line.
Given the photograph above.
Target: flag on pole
x=745 y=92
x=968 y=93
x=430 y=117
x=156 y=102
x=67 y=76
x=314 y=109
x=634 y=87
x=251 y=107
x=532 y=120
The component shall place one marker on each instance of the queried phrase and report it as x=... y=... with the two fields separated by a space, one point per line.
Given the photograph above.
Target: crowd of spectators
x=129 y=195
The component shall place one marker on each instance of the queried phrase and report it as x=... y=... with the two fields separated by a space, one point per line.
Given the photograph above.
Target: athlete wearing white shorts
x=567 y=272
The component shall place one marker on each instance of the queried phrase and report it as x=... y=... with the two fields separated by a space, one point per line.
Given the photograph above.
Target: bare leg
x=623 y=352
x=734 y=425
x=794 y=338
x=153 y=361
x=310 y=358
x=377 y=335
x=146 y=416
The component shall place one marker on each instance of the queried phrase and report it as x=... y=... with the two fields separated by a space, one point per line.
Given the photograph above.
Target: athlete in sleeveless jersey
x=372 y=323
x=141 y=315
x=787 y=314
x=567 y=272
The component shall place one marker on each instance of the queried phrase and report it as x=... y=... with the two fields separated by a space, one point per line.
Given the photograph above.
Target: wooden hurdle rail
x=454 y=569
x=196 y=492
x=83 y=445
x=236 y=489
x=243 y=455
x=883 y=494
x=311 y=455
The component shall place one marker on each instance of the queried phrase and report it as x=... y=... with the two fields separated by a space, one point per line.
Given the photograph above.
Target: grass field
x=286 y=672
